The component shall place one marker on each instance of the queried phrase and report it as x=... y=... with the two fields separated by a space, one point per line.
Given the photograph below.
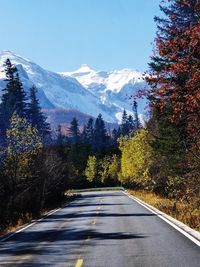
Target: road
x=101 y=229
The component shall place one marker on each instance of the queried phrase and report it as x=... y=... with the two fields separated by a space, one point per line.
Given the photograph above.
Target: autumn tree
x=23 y=146
x=174 y=93
x=175 y=66
x=109 y=168
x=91 y=171
x=136 y=159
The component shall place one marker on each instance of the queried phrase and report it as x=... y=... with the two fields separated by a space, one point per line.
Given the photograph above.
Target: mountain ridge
x=85 y=90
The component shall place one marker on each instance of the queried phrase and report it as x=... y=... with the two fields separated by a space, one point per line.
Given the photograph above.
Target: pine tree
x=136 y=122
x=60 y=137
x=35 y=115
x=74 y=132
x=131 y=125
x=89 y=131
x=124 y=127
x=100 y=133
x=83 y=135
x=20 y=104
x=115 y=134
x=13 y=99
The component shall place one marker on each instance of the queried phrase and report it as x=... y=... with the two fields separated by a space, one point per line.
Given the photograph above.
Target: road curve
x=101 y=229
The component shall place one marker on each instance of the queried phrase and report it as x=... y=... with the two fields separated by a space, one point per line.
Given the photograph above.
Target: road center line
x=79 y=263
x=87 y=239
x=94 y=222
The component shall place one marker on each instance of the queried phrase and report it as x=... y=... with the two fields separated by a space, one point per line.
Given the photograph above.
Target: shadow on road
x=87 y=204
x=52 y=238
x=26 y=242
x=83 y=215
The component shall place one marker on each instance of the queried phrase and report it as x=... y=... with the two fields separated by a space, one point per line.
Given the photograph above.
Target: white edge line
x=161 y=216
x=8 y=236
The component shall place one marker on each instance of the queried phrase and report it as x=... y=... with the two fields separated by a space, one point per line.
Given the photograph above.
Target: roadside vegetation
x=188 y=213
x=166 y=165
x=159 y=161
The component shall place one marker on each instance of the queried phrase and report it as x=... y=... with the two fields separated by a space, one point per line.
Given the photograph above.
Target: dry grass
x=28 y=217
x=186 y=213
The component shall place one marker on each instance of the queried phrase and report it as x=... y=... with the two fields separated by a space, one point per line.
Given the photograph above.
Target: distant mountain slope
x=108 y=81
x=113 y=87
x=85 y=90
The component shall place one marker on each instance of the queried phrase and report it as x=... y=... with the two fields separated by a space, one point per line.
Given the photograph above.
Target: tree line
x=93 y=151
x=35 y=168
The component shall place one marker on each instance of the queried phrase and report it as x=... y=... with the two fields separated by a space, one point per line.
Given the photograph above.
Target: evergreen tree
x=35 y=115
x=83 y=135
x=89 y=131
x=124 y=127
x=131 y=125
x=74 y=131
x=100 y=134
x=136 y=122
x=60 y=137
x=119 y=131
x=20 y=104
x=13 y=99
x=114 y=135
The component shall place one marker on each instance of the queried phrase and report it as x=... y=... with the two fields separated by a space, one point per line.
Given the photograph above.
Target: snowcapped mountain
x=105 y=81
x=114 y=87
x=87 y=91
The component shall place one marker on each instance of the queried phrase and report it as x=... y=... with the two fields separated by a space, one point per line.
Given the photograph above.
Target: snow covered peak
x=84 y=69
x=12 y=56
x=119 y=78
x=6 y=52
x=112 y=81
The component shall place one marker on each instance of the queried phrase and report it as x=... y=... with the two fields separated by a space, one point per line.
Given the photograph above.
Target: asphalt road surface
x=101 y=229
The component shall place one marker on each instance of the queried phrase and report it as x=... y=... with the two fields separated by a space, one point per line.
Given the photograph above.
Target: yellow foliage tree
x=110 y=168
x=23 y=143
x=137 y=158
x=91 y=171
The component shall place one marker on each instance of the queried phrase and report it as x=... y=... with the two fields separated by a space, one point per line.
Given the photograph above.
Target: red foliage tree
x=175 y=67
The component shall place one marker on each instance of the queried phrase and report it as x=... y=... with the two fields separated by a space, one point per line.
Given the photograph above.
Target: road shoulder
x=190 y=233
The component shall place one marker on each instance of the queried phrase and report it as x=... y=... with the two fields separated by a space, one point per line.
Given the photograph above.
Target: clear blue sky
x=60 y=35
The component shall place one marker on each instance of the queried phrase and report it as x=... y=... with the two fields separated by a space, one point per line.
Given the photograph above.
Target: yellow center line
x=79 y=263
x=87 y=239
x=93 y=222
